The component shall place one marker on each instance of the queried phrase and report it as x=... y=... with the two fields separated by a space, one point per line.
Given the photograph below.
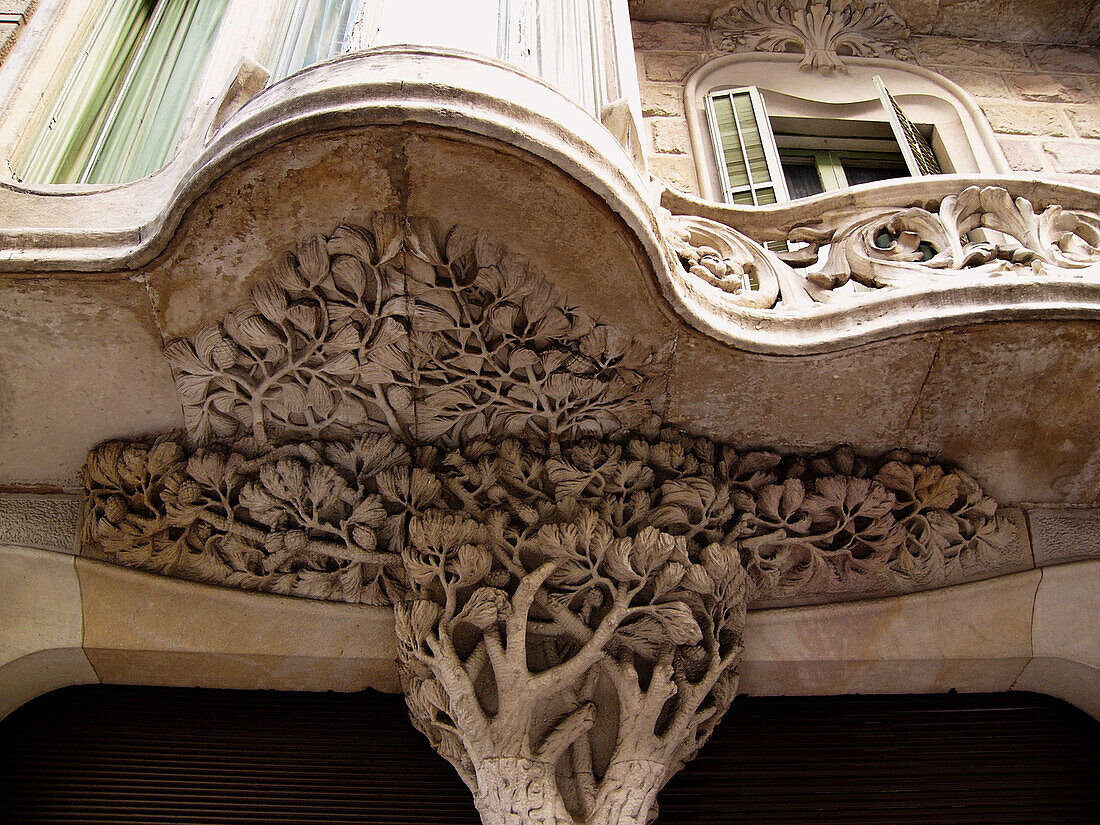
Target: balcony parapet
x=880 y=260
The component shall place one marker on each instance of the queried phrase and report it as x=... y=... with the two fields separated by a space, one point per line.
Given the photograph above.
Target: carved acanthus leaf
x=823 y=31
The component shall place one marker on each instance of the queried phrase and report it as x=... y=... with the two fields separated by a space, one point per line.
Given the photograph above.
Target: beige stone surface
x=1074 y=156
x=1066 y=636
x=141 y=628
x=1085 y=120
x=46 y=522
x=677 y=171
x=1015 y=404
x=1081 y=60
x=862 y=396
x=972 y=637
x=40 y=626
x=1026 y=119
x=670 y=135
x=1049 y=89
x=673 y=37
x=971 y=54
x=82 y=363
x=669 y=66
x=662 y=100
x=1022 y=155
x=987 y=84
x=1061 y=534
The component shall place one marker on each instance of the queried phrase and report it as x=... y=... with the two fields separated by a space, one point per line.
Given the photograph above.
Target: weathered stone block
x=677 y=171
x=979 y=84
x=1065 y=59
x=1061 y=534
x=669 y=66
x=973 y=54
x=670 y=135
x=662 y=100
x=1026 y=119
x=1022 y=155
x=1085 y=119
x=671 y=37
x=1048 y=89
x=46 y=522
x=1075 y=156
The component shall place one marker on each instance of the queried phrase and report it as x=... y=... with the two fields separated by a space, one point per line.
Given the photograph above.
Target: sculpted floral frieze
x=824 y=31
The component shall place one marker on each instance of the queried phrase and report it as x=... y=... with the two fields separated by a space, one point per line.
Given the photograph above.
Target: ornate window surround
x=962 y=137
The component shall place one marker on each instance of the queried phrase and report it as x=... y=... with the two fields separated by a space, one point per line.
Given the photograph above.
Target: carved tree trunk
x=517 y=791
x=629 y=792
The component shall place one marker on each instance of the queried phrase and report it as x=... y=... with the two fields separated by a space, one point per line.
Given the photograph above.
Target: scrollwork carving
x=981 y=231
x=824 y=31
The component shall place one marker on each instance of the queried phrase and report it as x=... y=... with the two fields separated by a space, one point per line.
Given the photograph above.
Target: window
x=566 y=42
x=118 y=115
x=763 y=160
x=762 y=131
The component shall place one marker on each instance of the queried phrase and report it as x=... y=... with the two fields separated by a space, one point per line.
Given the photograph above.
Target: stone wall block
x=677 y=171
x=971 y=54
x=670 y=67
x=46 y=522
x=662 y=100
x=670 y=37
x=1085 y=119
x=1062 y=534
x=670 y=136
x=1024 y=119
x=1065 y=59
x=1080 y=157
x=1022 y=155
x=1048 y=89
x=987 y=84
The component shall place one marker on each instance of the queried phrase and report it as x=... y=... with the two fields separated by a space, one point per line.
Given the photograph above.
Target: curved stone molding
x=930 y=253
x=103 y=228
x=824 y=31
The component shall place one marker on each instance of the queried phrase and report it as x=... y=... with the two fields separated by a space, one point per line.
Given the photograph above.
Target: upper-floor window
x=763 y=160
x=119 y=107
x=764 y=132
x=118 y=114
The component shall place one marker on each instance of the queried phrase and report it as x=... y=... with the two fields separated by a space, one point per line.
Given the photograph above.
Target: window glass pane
x=857 y=172
x=311 y=31
x=59 y=148
x=801 y=175
x=157 y=91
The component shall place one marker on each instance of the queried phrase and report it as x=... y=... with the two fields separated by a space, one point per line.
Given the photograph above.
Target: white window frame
x=778 y=182
x=963 y=140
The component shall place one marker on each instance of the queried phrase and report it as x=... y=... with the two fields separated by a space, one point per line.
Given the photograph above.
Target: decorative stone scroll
x=981 y=231
x=824 y=31
x=976 y=234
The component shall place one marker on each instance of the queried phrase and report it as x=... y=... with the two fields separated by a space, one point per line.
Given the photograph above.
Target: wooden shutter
x=917 y=151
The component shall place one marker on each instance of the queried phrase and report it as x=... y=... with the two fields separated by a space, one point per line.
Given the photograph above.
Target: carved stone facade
x=409 y=417
x=823 y=31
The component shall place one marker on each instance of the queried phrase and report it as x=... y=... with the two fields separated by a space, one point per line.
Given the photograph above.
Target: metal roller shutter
x=107 y=755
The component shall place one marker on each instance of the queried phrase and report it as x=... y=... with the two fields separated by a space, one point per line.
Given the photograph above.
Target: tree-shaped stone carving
x=566 y=655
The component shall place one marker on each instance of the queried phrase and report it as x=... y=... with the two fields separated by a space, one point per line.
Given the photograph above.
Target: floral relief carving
x=329 y=520
x=823 y=31
x=403 y=329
